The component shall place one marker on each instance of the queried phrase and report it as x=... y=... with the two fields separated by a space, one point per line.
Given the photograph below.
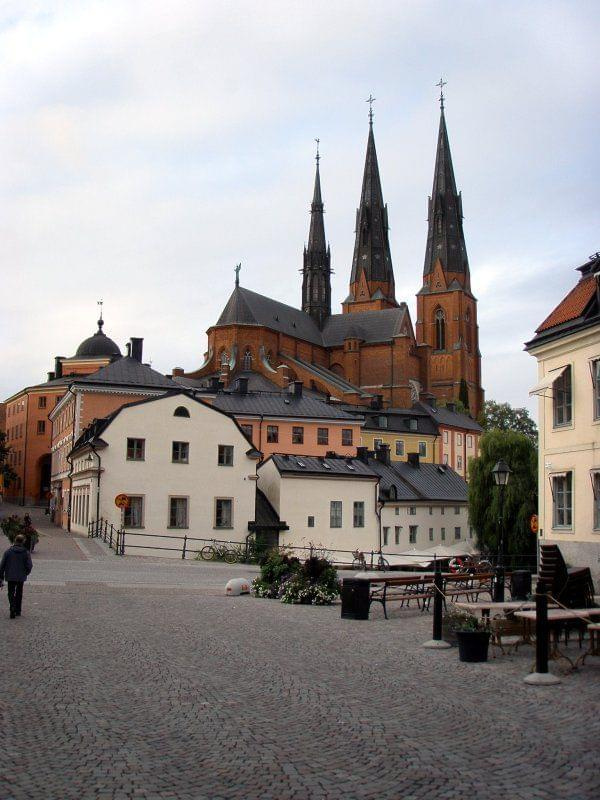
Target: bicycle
x=359 y=561
x=220 y=552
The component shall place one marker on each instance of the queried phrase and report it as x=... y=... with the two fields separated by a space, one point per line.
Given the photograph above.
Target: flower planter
x=473 y=645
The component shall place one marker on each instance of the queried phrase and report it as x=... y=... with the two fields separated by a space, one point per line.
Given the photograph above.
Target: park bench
x=406 y=589
x=468 y=586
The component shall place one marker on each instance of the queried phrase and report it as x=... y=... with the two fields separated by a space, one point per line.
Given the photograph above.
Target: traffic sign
x=122 y=501
x=533 y=523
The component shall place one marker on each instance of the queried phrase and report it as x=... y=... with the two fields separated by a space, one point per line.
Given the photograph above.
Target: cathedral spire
x=372 y=278
x=445 y=237
x=316 y=283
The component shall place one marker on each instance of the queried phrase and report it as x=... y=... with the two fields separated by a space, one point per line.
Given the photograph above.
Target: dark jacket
x=16 y=564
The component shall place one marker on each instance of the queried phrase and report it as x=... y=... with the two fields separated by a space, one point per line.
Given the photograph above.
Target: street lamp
x=501 y=473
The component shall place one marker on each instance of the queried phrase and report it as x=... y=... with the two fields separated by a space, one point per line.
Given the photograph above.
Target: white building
x=186 y=467
x=567 y=348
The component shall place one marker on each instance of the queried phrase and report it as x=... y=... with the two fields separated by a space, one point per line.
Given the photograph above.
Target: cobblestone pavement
x=155 y=693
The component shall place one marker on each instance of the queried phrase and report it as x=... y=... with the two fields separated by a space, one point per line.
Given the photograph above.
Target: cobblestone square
x=120 y=684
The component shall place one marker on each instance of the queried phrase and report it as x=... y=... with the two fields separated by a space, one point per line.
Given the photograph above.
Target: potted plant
x=473 y=639
x=452 y=620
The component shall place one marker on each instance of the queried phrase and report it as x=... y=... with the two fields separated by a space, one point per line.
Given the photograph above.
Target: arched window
x=440 y=330
x=247 y=360
x=468 y=327
x=224 y=358
x=181 y=411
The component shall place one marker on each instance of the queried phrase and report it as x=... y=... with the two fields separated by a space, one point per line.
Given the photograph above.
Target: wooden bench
x=405 y=589
x=468 y=586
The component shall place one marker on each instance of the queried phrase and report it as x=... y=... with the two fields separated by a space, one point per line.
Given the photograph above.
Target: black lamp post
x=501 y=473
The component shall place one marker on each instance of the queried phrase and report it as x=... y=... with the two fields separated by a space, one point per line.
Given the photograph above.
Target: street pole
x=499 y=584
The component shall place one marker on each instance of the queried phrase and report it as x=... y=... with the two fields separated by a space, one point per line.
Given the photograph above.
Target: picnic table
x=487 y=606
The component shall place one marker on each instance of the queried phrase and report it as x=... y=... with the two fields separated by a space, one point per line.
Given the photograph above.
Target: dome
x=97 y=345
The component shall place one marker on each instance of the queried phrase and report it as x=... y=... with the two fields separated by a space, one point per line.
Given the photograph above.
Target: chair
x=573 y=587
x=507 y=633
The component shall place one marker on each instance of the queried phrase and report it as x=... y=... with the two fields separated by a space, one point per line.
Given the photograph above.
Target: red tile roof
x=573 y=305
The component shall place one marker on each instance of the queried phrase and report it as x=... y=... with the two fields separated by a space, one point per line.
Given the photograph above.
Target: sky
x=148 y=147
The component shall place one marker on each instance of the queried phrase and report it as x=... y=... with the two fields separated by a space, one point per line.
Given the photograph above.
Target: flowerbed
x=286 y=578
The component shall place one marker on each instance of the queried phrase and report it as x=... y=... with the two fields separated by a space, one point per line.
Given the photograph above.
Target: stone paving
x=114 y=690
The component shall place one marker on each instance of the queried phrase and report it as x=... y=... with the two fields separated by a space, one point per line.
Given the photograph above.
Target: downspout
x=97 y=454
x=25 y=451
x=378 y=507
x=70 y=460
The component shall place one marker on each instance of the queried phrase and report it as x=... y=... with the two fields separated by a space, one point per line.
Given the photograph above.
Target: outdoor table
x=557 y=616
x=487 y=606
x=594 y=645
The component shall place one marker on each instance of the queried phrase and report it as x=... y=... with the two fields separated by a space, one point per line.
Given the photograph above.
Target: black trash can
x=355 y=599
x=520 y=584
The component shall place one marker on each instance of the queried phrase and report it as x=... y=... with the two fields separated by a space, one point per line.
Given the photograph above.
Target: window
x=562 y=495
x=443 y=510
x=347 y=437
x=457 y=533
x=445 y=437
x=382 y=422
x=459 y=439
x=412 y=510
x=41 y=402
x=273 y=433
x=397 y=510
x=133 y=516
x=596 y=488
x=311 y=522
x=469 y=441
x=223 y=512
x=377 y=443
x=457 y=509
x=297 y=434
x=386 y=535
x=423 y=449
x=443 y=534
x=430 y=511
x=322 y=435
x=562 y=398
x=440 y=330
x=446 y=459
x=247 y=360
x=431 y=534
x=413 y=424
x=335 y=514
x=596 y=383
x=181 y=452
x=247 y=430
x=178 y=512
x=397 y=530
x=399 y=447
x=359 y=514
x=181 y=411
x=41 y=426
x=412 y=534
x=136 y=449
x=225 y=458
x=459 y=462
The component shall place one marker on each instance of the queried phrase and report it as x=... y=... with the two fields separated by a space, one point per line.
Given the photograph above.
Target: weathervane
x=237 y=273
x=441 y=84
x=317 y=157
x=370 y=100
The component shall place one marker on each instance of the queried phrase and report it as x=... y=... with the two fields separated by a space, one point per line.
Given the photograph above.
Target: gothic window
x=224 y=358
x=269 y=358
x=440 y=330
x=468 y=326
x=247 y=360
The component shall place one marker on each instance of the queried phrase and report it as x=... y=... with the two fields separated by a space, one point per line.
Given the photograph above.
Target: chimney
x=50 y=376
x=178 y=372
x=136 y=348
x=413 y=459
x=296 y=387
x=58 y=366
x=431 y=401
x=128 y=348
x=377 y=402
x=362 y=453
x=382 y=454
x=242 y=385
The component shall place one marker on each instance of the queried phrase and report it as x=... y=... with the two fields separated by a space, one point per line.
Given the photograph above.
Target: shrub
x=283 y=576
x=13 y=525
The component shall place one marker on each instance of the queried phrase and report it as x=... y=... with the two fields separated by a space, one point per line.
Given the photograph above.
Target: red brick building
x=371 y=350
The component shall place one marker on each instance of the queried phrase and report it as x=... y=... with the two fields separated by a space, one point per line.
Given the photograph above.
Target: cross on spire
x=318 y=156
x=100 y=321
x=237 y=273
x=370 y=100
x=441 y=84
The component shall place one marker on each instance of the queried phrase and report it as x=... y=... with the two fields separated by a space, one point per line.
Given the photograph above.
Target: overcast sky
x=147 y=147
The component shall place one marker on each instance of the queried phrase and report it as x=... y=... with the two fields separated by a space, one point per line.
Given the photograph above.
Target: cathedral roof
x=370 y=326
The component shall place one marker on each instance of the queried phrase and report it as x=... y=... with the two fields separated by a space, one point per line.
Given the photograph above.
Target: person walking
x=15 y=567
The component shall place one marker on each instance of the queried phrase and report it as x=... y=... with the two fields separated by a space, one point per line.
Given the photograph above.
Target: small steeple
x=445 y=237
x=316 y=282
x=372 y=257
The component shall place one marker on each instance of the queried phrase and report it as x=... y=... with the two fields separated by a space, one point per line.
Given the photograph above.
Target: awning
x=547 y=382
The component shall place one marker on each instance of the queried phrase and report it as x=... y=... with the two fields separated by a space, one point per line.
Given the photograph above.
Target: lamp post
x=501 y=473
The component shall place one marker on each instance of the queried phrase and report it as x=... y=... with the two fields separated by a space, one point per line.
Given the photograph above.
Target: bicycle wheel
x=383 y=563
x=231 y=556
x=207 y=553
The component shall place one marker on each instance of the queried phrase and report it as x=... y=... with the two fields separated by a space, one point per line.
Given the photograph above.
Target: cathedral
x=371 y=353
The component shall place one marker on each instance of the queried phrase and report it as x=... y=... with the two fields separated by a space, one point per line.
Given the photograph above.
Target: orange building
x=370 y=352
x=28 y=428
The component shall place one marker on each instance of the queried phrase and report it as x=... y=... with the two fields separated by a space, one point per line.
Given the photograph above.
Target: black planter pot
x=473 y=645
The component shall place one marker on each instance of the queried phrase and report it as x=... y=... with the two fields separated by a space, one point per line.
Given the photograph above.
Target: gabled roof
x=249 y=308
x=399 y=421
x=315 y=465
x=127 y=371
x=573 y=305
x=434 y=482
x=370 y=326
x=453 y=419
x=281 y=405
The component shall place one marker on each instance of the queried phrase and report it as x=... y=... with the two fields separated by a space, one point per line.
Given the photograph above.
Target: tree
x=7 y=473
x=502 y=417
x=520 y=496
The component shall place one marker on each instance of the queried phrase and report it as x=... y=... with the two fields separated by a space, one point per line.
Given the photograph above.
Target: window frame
x=413 y=531
x=595 y=368
x=423 y=448
x=187 y=512
x=566 y=495
x=347 y=434
x=128 y=510
x=358 y=514
x=334 y=519
x=185 y=460
x=133 y=448
x=223 y=453
x=272 y=434
x=595 y=477
x=297 y=434
x=42 y=400
x=402 y=448
x=216 y=514
x=322 y=436
x=562 y=398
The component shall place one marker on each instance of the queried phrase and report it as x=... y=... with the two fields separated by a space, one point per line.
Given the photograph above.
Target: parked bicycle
x=358 y=560
x=219 y=551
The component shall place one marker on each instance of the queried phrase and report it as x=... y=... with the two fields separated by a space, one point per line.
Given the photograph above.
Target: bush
x=13 y=525
x=284 y=577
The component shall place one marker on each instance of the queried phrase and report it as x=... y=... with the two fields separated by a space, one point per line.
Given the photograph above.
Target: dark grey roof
x=327 y=375
x=315 y=465
x=265 y=515
x=400 y=422
x=432 y=482
x=443 y=416
x=97 y=345
x=256 y=382
x=128 y=371
x=249 y=308
x=281 y=405
x=371 y=326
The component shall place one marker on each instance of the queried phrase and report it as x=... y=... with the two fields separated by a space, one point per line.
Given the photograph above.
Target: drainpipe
x=70 y=460
x=25 y=451
x=97 y=454
x=378 y=507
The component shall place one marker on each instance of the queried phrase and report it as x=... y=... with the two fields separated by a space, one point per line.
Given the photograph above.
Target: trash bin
x=520 y=584
x=355 y=598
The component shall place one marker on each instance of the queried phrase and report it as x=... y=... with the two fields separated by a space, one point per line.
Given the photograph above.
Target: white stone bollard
x=237 y=586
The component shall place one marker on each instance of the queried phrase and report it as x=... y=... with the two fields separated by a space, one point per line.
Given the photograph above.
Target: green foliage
x=502 y=417
x=468 y=622
x=520 y=496
x=285 y=577
x=463 y=394
x=459 y=406
x=13 y=525
x=8 y=474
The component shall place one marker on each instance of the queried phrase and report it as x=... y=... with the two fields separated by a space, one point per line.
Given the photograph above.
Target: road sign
x=122 y=501
x=533 y=523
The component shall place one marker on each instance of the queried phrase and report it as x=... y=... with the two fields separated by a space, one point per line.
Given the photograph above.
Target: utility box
x=237 y=586
x=355 y=598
